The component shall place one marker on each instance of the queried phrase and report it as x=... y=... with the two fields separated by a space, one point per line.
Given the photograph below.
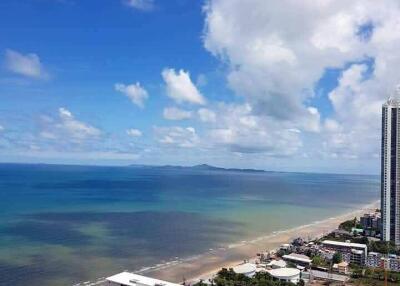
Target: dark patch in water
x=158 y=233
x=138 y=238
x=46 y=232
x=38 y=272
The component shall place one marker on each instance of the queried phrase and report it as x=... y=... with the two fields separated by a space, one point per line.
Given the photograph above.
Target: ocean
x=61 y=225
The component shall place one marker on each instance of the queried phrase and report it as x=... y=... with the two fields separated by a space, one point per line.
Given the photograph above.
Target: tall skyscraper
x=390 y=169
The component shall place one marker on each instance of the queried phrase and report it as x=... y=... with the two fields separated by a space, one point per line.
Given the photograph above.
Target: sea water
x=60 y=225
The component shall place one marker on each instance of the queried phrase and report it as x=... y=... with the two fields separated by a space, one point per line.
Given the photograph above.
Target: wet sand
x=206 y=265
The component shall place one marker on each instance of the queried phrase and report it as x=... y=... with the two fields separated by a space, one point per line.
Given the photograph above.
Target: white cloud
x=275 y=63
x=27 y=65
x=177 y=136
x=66 y=128
x=144 y=5
x=180 y=87
x=1 y=128
x=173 y=113
x=238 y=130
x=136 y=93
x=206 y=115
x=92 y=156
x=134 y=132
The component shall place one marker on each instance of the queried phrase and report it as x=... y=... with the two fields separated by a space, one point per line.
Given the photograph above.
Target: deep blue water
x=65 y=224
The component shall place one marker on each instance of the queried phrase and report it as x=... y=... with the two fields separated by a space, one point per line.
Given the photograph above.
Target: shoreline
x=204 y=266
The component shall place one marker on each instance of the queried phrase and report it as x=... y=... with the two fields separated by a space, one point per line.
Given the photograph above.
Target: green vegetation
x=349 y=224
x=227 y=277
x=337 y=258
x=383 y=247
x=374 y=276
x=318 y=260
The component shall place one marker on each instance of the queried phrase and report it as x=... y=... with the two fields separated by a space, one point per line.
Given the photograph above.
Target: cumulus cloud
x=67 y=128
x=143 y=5
x=185 y=137
x=173 y=113
x=275 y=63
x=28 y=65
x=181 y=88
x=239 y=130
x=134 y=132
x=136 y=93
x=354 y=129
x=206 y=115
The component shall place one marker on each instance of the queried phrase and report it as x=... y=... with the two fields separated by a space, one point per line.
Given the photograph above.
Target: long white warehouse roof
x=345 y=244
x=297 y=257
x=131 y=279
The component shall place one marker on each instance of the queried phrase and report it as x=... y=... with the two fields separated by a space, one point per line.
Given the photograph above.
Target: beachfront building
x=131 y=279
x=285 y=274
x=374 y=260
x=390 y=171
x=274 y=264
x=378 y=260
x=248 y=269
x=298 y=259
x=393 y=262
x=371 y=221
x=351 y=252
x=342 y=267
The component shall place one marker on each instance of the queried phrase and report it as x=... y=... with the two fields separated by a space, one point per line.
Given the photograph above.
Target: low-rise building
x=374 y=260
x=357 y=257
x=378 y=260
x=351 y=252
x=248 y=269
x=342 y=267
x=298 y=259
x=394 y=263
x=285 y=274
x=274 y=264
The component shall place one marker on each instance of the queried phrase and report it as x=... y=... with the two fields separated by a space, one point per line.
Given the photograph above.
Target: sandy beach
x=206 y=265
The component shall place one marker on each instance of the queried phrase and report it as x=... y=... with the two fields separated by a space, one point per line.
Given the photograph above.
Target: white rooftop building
x=285 y=274
x=351 y=252
x=248 y=269
x=131 y=279
x=299 y=259
x=277 y=264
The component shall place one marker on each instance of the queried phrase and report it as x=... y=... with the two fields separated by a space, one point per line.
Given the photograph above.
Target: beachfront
x=206 y=266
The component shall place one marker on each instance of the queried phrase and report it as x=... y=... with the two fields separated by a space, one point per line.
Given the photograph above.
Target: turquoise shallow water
x=64 y=224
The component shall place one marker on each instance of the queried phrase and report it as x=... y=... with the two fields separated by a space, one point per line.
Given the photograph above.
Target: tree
x=337 y=258
x=318 y=260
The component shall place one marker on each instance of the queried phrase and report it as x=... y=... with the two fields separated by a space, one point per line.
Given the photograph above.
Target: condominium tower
x=390 y=169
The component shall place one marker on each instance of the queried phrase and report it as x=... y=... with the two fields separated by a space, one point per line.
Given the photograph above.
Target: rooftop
x=244 y=268
x=355 y=251
x=284 y=272
x=277 y=263
x=394 y=99
x=131 y=279
x=344 y=244
x=298 y=257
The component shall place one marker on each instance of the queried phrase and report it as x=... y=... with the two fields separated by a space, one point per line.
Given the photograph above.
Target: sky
x=278 y=85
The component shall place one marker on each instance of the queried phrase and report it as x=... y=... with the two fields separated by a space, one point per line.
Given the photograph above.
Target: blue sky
x=189 y=82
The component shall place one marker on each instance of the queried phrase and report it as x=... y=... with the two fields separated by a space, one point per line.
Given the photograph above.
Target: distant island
x=204 y=167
